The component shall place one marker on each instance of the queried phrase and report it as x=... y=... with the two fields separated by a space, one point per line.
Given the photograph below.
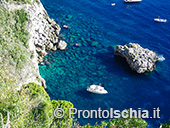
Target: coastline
x=43 y=38
x=40 y=43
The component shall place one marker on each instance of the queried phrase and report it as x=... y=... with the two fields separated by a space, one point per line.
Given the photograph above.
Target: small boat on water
x=160 y=20
x=98 y=89
x=113 y=4
x=65 y=26
x=132 y=1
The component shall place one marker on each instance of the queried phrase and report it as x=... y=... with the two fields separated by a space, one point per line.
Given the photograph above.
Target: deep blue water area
x=98 y=27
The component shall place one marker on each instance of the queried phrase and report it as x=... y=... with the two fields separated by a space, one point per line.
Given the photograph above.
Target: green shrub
x=11 y=101
x=120 y=123
x=13 y=37
x=42 y=109
x=64 y=122
x=165 y=125
x=31 y=107
x=20 y=1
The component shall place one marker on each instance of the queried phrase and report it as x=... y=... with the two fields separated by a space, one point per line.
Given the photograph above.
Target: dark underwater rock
x=47 y=63
x=94 y=43
x=68 y=17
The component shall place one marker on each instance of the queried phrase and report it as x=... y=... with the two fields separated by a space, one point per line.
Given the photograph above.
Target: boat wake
x=161 y=58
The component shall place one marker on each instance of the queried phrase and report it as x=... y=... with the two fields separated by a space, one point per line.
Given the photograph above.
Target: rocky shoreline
x=44 y=37
x=139 y=59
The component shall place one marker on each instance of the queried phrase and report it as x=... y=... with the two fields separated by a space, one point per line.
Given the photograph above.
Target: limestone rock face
x=62 y=45
x=43 y=37
x=43 y=30
x=140 y=59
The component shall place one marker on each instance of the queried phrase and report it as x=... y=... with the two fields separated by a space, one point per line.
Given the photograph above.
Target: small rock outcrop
x=62 y=45
x=140 y=59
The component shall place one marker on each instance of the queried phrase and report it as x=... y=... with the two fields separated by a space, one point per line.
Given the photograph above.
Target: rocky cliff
x=43 y=38
x=140 y=59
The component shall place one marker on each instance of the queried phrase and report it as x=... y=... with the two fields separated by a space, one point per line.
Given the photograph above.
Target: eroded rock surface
x=140 y=59
x=43 y=38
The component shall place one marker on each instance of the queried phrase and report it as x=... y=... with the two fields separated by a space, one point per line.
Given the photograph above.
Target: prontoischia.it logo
x=59 y=113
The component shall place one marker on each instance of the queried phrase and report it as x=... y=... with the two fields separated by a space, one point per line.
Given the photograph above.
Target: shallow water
x=98 y=27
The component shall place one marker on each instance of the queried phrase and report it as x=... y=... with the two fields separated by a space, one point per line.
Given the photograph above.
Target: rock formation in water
x=140 y=59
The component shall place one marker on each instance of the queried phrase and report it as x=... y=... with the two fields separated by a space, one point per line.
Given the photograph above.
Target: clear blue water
x=72 y=71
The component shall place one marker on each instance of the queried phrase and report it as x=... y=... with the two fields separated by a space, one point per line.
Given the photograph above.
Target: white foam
x=161 y=58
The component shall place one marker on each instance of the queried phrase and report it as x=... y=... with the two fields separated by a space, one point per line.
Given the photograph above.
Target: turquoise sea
x=98 y=27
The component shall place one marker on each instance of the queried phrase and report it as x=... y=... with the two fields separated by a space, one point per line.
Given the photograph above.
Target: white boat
x=160 y=20
x=98 y=89
x=113 y=4
x=132 y=1
x=65 y=26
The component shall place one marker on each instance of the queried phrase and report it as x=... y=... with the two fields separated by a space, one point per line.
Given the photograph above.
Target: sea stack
x=139 y=59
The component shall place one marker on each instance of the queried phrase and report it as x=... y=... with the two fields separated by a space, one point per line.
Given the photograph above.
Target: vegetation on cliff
x=30 y=107
x=64 y=122
x=20 y=1
x=120 y=122
x=13 y=39
x=165 y=125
